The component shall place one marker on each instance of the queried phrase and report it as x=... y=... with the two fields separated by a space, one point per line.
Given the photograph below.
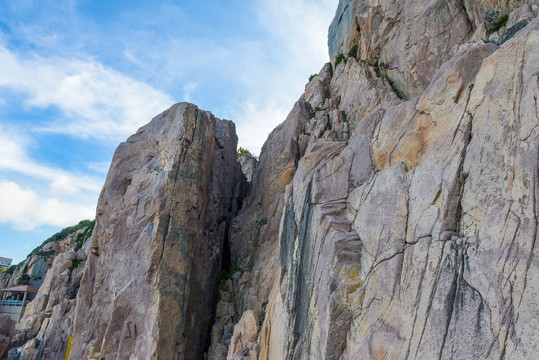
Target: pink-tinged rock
x=150 y=280
x=245 y=331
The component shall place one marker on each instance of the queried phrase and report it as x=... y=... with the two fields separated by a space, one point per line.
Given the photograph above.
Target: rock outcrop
x=40 y=260
x=406 y=228
x=392 y=215
x=6 y=332
x=43 y=332
x=162 y=219
x=409 y=40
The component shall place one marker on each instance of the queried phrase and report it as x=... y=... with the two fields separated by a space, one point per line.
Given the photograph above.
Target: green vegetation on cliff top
x=59 y=236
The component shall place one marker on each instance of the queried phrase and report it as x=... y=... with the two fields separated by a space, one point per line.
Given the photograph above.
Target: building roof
x=21 y=288
x=4 y=258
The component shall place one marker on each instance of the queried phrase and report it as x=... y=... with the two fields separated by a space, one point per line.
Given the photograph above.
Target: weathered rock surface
x=48 y=333
x=242 y=343
x=412 y=233
x=6 y=332
x=47 y=321
x=148 y=286
x=38 y=263
x=409 y=40
x=248 y=165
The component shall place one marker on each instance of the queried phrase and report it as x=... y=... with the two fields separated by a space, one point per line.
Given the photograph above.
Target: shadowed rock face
x=148 y=286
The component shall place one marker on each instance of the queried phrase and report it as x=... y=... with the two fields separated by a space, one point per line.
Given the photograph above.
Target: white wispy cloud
x=14 y=158
x=26 y=210
x=33 y=195
x=96 y=101
x=298 y=38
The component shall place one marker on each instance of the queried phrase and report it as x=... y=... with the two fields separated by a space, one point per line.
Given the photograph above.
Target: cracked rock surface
x=407 y=228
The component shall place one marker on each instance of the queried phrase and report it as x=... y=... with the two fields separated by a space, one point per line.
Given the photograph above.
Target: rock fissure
x=533 y=234
x=452 y=296
x=430 y=302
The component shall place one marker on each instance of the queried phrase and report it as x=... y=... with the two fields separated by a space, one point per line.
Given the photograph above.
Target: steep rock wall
x=411 y=234
x=148 y=285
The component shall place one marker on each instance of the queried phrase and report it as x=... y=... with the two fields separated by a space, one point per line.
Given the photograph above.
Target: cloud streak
x=96 y=102
x=51 y=196
x=14 y=158
x=26 y=210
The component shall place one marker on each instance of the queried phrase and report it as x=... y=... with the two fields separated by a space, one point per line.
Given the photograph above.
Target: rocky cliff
x=392 y=215
x=55 y=268
x=155 y=256
x=33 y=269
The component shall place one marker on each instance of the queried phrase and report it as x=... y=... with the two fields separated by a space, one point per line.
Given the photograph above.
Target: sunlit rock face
x=407 y=220
x=410 y=39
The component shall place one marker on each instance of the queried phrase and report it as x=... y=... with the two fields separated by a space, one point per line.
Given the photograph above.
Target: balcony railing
x=13 y=303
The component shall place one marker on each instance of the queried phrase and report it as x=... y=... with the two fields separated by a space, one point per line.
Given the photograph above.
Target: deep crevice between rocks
x=226 y=267
x=226 y=260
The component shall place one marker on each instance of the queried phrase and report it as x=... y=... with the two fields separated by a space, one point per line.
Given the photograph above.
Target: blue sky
x=79 y=76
